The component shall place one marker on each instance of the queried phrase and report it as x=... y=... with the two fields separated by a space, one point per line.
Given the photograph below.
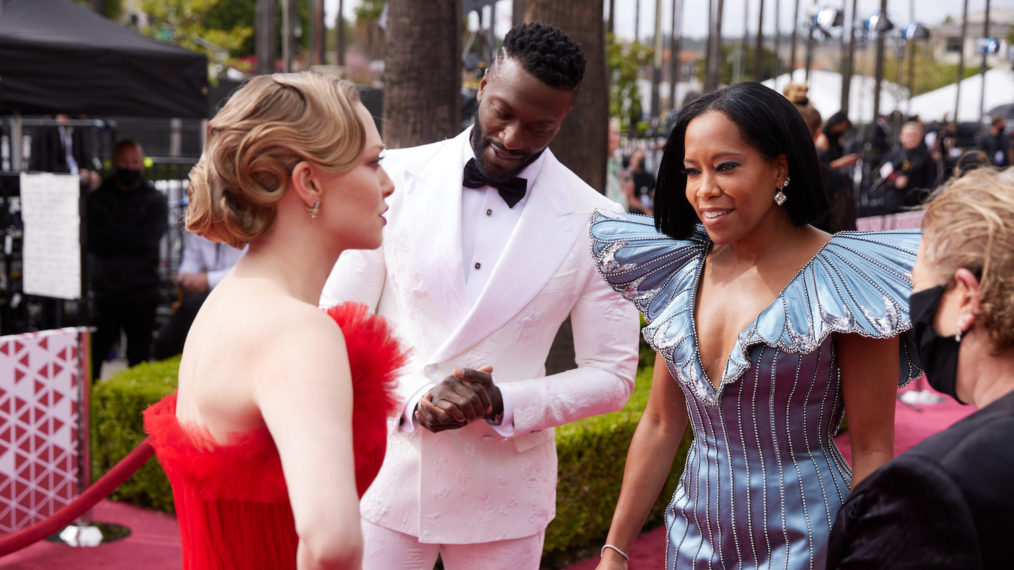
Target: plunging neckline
x=695 y=293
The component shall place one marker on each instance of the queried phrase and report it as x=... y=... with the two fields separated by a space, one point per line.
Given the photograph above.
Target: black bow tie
x=512 y=190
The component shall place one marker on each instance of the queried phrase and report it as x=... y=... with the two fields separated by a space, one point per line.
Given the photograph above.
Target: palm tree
x=714 y=47
x=339 y=26
x=582 y=143
x=792 y=50
x=675 y=45
x=422 y=72
x=265 y=36
x=961 y=59
x=758 y=55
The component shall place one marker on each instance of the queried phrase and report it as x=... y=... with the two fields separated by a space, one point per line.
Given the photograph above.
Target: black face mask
x=127 y=177
x=939 y=354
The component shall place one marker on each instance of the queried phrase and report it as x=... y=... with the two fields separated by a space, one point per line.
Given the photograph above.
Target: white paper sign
x=51 y=249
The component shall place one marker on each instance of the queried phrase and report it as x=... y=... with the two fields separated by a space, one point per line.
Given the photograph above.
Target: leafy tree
x=182 y=22
x=111 y=9
x=624 y=62
x=370 y=9
x=228 y=14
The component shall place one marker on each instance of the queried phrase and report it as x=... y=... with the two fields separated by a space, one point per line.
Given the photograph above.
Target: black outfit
x=996 y=147
x=841 y=215
x=49 y=151
x=921 y=170
x=644 y=183
x=124 y=228
x=945 y=503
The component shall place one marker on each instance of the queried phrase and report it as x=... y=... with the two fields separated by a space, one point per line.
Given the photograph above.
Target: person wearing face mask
x=125 y=221
x=946 y=502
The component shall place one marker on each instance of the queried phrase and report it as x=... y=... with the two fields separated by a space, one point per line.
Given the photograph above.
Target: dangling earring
x=961 y=322
x=780 y=196
x=312 y=210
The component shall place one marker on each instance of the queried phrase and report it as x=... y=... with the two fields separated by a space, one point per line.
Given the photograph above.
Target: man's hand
x=465 y=396
x=193 y=282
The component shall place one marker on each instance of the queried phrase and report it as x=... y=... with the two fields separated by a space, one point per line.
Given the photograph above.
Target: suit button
x=417 y=292
x=430 y=368
x=527 y=322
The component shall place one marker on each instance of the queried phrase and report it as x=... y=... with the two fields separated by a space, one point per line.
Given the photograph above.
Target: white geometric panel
x=39 y=417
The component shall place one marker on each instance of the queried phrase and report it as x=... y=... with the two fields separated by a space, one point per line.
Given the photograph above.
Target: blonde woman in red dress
x=278 y=424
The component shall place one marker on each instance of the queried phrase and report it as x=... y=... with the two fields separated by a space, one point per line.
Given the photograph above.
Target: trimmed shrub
x=117 y=428
x=592 y=454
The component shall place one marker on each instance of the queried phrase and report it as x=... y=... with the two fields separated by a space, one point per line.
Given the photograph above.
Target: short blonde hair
x=267 y=127
x=970 y=223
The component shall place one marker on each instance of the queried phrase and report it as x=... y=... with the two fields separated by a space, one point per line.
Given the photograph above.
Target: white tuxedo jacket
x=472 y=484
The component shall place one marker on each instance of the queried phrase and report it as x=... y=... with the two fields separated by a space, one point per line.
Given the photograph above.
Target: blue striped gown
x=763 y=479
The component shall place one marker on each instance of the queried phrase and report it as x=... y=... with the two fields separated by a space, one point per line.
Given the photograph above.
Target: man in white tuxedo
x=486 y=254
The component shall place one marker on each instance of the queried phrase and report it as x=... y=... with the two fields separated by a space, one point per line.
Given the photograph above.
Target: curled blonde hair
x=970 y=223
x=267 y=127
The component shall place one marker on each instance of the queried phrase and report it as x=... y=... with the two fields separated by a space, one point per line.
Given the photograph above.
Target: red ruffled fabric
x=231 y=500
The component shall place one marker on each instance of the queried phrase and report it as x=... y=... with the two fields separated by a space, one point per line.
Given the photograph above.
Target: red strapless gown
x=231 y=500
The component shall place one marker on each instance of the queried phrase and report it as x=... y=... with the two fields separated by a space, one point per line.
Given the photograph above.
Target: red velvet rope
x=86 y=500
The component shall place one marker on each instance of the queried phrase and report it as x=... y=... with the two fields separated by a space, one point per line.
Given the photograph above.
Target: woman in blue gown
x=766 y=331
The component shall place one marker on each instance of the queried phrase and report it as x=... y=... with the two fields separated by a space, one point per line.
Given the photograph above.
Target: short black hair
x=769 y=123
x=547 y=53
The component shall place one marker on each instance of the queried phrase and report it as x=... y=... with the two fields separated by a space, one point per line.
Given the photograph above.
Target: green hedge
x=592 y=453
x=117 y=427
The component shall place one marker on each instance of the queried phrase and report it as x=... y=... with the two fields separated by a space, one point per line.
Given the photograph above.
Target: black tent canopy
x=59 y=57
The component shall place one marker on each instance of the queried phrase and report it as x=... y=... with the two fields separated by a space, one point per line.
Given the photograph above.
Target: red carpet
x=154 y=540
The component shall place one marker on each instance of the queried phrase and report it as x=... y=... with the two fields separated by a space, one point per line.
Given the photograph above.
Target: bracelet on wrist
x=618 y=551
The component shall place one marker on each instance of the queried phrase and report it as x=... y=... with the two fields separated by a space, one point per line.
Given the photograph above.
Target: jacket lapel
x=542 y=238
x=432 y=224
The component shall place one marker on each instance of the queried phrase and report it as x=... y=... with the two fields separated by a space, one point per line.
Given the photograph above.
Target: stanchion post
x=84 y=479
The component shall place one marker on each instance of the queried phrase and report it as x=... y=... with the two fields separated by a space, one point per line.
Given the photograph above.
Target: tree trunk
x=849 y=62
x=712 y=79
x=517 y=12
x=319 y=31
x=795 y=29
x=675 y=44
x=582 y=143
x=656 y=67
x=339 y=27
x=422 y=72
x=758 y=55
x=961 y=60
x=265 y=39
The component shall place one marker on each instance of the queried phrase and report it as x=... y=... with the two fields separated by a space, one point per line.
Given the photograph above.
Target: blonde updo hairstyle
x=265 y=129
x=970 y=223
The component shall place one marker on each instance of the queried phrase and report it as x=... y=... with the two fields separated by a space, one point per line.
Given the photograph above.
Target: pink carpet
x=154 y=540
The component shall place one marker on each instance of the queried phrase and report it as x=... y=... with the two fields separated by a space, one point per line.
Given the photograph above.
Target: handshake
x=459 y=399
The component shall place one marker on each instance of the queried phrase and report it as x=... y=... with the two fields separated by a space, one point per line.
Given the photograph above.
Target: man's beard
x=476 y=140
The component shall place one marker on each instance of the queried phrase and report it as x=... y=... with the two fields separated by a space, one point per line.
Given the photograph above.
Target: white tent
x=940 y=102
x=825 y=93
